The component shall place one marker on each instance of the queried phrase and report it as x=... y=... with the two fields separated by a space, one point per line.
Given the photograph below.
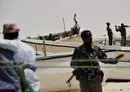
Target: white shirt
x=23 y=52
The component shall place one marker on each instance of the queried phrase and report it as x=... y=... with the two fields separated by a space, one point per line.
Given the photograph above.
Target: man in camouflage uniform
x=85 y=63
x=122 y=30
x=110 y=34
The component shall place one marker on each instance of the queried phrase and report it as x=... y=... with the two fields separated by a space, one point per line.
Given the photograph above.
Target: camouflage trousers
x=110 y=38
x=91 y=85
x=123 y=40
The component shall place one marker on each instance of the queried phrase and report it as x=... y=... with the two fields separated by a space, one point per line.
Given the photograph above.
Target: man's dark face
x=87 y=41
x=122 y=25
x=108 y=24
x=87 y=38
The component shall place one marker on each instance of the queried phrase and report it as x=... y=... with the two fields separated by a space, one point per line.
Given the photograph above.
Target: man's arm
x=126 y=26
x=103 y=57
x=73 y=65
x=101 y=54
x=8 y=44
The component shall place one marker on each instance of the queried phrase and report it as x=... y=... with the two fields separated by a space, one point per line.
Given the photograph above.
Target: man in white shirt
x=23 y=53
x=9 y=79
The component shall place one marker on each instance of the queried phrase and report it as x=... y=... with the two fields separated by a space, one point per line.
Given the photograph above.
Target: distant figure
x=122 y=30
x=40 y=37
x=75 y=29
x=75 y=19
x=50 y=36
x=110 y=34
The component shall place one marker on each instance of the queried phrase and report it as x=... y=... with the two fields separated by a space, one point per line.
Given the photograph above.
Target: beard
x=88 y=46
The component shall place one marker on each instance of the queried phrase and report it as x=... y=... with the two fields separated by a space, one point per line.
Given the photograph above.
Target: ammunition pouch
x=81 y=74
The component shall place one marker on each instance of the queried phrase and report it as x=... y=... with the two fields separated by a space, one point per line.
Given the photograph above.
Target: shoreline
x=55 y=82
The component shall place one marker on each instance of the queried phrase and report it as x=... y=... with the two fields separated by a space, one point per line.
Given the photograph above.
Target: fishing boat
x=54 y=69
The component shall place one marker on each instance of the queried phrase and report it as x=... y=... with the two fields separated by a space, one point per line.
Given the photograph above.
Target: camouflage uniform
x=110 y=35
x=123 y=35
x=122 y=30
x=90 y=77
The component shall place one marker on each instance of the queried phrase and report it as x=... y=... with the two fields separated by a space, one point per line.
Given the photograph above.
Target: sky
x=41 y=17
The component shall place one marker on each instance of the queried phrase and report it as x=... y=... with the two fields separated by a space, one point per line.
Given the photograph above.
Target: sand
x=55 y=82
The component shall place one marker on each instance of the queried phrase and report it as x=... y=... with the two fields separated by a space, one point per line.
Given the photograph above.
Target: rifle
x=68 y=81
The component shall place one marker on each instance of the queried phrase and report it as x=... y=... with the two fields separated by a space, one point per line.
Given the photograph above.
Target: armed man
x=122 y=30
x=110 y=34
x=85 y=62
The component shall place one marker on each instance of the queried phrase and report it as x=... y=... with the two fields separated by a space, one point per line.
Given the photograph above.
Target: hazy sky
x=39 y=17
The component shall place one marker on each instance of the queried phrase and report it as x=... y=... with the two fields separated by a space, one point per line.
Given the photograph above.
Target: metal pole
x=36 y=50
x=64 y=24
x=44 y=47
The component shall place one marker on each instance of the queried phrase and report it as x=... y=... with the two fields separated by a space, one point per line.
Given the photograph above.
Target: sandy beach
x=50 y=84
x=55 y=82
x=45 y=17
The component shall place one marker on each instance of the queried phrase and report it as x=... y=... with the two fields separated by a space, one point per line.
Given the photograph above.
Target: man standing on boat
x=23 y=53
x=85 y=62
x=75 y=29
x=122 y=30
x=110 y=34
